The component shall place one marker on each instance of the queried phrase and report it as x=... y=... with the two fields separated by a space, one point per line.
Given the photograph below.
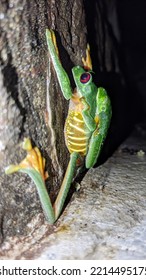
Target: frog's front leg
x=62 y=76
x=102 y=118
x=89 y=121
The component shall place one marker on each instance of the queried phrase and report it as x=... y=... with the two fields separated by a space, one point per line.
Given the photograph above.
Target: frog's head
x=83 y=81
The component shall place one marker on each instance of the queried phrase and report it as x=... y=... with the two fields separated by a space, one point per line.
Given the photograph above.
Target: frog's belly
x=76 y=133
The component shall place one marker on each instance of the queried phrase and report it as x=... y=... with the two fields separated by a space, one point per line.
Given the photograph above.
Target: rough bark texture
x=31 y=101
x=32 y=104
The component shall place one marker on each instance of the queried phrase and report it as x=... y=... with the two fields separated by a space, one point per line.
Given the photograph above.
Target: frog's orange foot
x=87 y=62
x=33 y=160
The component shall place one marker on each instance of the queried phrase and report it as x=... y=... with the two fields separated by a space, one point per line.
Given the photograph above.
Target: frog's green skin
x=90 y=107
x=86 y=128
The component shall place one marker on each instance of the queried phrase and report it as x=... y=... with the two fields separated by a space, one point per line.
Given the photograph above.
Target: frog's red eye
x=85 y=77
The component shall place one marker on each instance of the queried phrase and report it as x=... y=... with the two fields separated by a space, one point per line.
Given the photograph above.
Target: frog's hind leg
x=62 y=76
x=53 y=37
x=59 y=203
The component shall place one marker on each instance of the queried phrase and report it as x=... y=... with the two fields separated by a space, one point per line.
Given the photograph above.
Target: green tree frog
x=85 y=129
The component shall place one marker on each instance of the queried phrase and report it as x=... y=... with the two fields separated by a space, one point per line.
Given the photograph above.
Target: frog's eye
x=85 y=77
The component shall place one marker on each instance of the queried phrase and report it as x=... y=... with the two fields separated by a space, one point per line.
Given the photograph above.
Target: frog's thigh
x=93 y=149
